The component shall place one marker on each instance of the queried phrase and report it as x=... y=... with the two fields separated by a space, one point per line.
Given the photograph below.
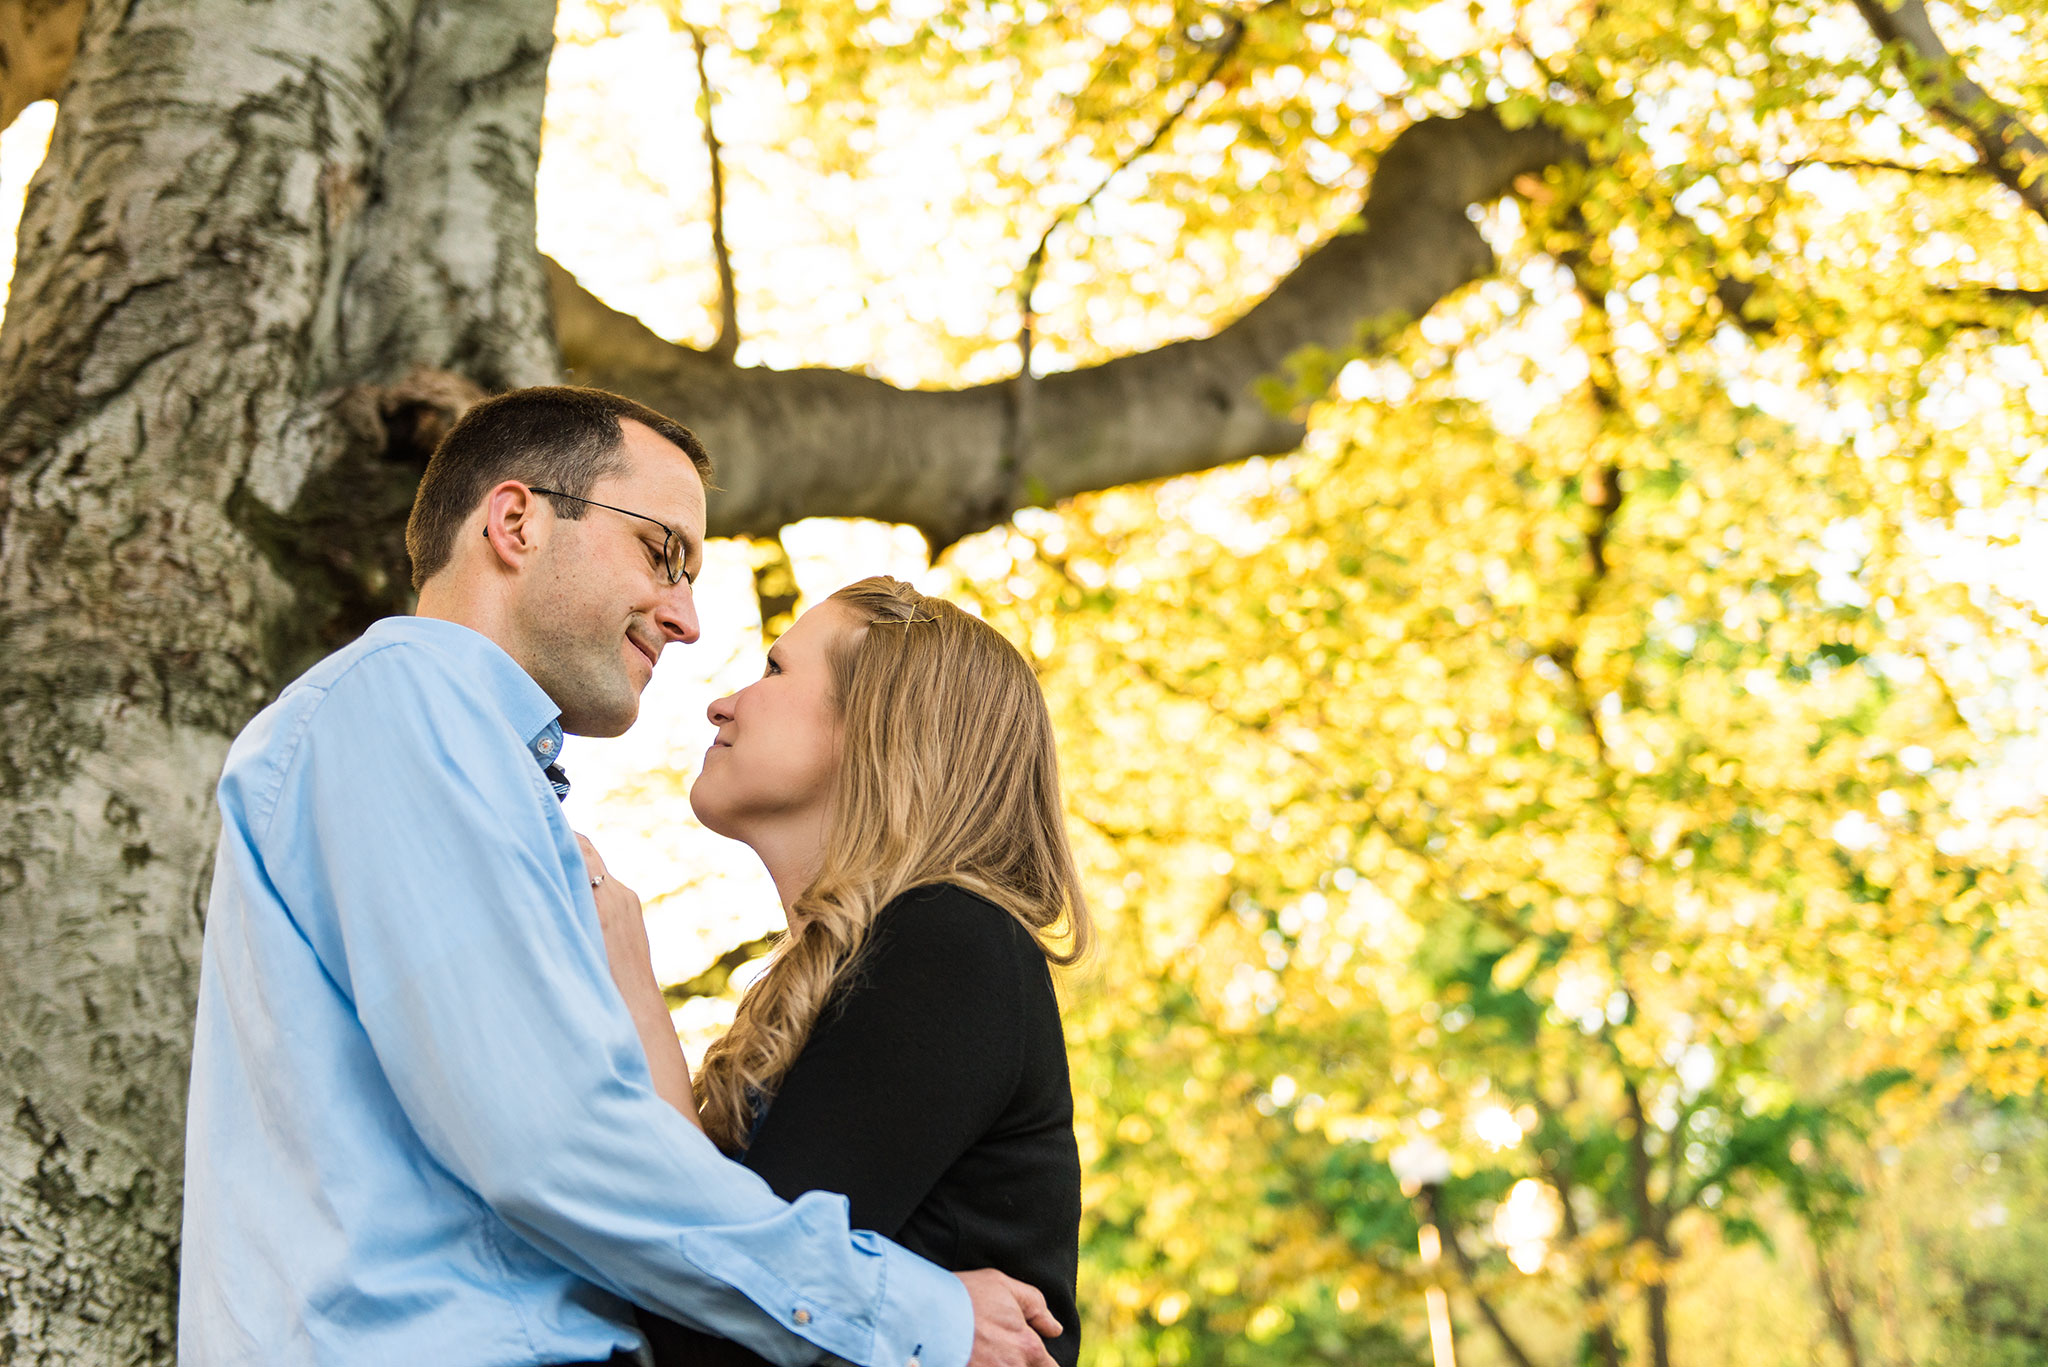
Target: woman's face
x=769 y=771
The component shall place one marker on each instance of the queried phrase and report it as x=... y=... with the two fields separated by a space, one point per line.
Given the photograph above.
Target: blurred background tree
x=1581 y=802
x=1594 y=740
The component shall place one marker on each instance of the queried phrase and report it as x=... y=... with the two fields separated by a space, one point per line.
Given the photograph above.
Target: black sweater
x=933 y=1093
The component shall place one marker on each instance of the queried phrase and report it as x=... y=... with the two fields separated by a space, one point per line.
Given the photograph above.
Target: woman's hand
x=632 y=964
x=624 y=925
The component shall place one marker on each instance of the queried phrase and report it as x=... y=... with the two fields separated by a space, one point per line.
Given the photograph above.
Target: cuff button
x=802 y=1317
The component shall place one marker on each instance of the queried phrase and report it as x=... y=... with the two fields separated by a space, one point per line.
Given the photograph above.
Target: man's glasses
x=671 y=543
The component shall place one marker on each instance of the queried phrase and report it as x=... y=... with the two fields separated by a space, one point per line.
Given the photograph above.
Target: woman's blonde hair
x=947 y=774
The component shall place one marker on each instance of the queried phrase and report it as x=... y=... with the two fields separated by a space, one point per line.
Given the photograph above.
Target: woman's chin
x=711 y=815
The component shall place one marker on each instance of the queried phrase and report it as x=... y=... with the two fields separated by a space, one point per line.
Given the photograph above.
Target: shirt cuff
x=926 y=1318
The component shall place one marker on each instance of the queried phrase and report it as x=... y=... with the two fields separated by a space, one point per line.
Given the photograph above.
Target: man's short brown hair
x=559 y=437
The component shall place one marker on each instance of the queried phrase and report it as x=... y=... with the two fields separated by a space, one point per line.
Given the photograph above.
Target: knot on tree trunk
x=405 y=421
x=341 y=539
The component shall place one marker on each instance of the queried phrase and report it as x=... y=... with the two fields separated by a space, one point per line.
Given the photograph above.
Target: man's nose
x=677 y=615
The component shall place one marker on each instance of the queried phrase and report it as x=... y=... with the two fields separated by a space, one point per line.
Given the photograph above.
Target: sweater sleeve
x=911 y=1063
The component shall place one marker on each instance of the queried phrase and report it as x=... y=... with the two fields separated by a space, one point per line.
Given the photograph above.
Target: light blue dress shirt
x=421 y=1129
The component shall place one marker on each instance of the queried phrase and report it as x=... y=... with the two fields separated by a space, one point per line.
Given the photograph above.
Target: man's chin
x=614 y=717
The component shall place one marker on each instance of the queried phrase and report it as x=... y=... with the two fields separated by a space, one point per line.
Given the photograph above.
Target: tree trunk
x=267 y=241
x=1652 y=1227
x=1840 y=1310
x=1433 y=1213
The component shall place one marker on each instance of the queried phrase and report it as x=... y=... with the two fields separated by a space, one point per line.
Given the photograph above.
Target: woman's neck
x=792 y=852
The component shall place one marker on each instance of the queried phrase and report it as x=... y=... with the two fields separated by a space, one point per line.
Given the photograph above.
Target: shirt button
x=913 y=1363
x=802 y=1317
x=546 y=747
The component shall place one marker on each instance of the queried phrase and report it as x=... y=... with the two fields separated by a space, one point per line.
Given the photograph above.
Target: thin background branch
x=1020 y=402
x=728 y=342
x=2011 y=151
x=1225 y=47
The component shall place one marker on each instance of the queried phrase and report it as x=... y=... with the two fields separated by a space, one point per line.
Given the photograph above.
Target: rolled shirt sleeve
x=451 y=911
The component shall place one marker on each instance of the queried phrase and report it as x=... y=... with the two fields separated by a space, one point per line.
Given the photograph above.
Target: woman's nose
x=720 y=711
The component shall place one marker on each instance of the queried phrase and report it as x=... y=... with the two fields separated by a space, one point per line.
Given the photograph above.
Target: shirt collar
x=547 y=746
x=495 y=675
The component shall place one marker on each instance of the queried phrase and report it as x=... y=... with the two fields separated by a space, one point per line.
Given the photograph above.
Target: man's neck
x=448 y=598
x=444 y=597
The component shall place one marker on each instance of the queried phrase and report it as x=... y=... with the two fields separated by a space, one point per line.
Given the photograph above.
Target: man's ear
x=515 y=523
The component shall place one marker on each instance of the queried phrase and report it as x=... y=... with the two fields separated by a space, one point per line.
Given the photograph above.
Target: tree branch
x=2011 y=151
x=1224 y=49
x=1020 y=416
x=1884 y=164
x=728 y=341
x=718 y=974
x=1996 y=295
x=803 y=443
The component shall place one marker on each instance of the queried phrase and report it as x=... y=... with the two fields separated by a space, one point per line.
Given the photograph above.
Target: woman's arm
x=625 y=946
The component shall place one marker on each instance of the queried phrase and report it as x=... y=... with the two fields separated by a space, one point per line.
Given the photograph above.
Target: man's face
x=599 y=609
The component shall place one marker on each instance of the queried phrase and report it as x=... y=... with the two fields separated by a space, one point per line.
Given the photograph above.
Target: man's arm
x=468 y=945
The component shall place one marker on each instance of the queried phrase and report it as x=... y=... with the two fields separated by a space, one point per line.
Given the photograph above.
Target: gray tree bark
x=267 y=239
x=276 y=246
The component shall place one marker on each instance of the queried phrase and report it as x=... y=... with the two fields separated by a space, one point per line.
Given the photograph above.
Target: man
x=422 y=1130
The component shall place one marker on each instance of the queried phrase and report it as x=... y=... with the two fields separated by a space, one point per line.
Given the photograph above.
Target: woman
x=894 y=768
